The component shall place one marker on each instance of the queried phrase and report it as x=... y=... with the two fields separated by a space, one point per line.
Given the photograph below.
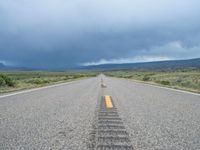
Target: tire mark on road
x=110 y=131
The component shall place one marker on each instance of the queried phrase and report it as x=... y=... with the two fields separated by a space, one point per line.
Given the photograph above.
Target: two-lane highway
x=64 y=116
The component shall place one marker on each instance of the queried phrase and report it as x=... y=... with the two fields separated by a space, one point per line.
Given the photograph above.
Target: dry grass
x=29 y=79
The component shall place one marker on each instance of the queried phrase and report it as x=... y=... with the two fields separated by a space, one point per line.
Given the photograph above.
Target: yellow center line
x=108 y=102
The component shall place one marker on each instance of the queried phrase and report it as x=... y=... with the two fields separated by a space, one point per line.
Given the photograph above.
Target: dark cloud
x=67 y=33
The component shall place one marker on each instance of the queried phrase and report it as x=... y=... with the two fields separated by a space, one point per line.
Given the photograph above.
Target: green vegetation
x=180 y=79
x=19 y=80
x=164 y=82
x=6 y=81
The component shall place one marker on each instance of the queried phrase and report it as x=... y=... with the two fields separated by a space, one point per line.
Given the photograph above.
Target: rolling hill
x=159 y=65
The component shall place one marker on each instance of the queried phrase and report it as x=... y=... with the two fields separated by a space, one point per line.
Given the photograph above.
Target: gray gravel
x=54 y=118
x=157 y=118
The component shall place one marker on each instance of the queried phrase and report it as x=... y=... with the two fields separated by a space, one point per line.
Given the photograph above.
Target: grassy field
x=19 y=80
x=179 y=79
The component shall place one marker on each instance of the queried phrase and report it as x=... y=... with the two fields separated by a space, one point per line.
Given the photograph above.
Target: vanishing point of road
x=100 y=113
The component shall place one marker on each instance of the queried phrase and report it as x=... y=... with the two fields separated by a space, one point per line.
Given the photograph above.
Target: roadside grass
x=6 y=81
x=188 y=80
x=19 y=80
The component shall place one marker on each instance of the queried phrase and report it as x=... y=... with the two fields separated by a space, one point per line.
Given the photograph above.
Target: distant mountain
x=158 y=65
x=6 y=68
x=2 y=66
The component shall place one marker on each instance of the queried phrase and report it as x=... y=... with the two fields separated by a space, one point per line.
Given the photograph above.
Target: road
x=65 y=116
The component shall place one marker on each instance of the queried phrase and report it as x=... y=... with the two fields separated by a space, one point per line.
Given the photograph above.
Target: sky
x=59 y=34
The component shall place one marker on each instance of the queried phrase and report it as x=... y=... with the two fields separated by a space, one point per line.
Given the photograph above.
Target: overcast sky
x=68 y=33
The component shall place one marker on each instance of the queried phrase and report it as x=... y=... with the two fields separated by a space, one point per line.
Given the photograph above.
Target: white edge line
x=35 y=89
x=177 y=90
x=162 y=87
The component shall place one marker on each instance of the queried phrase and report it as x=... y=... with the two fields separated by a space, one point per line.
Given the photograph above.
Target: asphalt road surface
x=69 y=116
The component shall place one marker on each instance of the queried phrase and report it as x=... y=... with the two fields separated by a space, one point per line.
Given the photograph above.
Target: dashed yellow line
x=108 y=102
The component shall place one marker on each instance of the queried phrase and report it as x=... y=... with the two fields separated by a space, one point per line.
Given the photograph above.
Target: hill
x=159 y=65
x=2 y=66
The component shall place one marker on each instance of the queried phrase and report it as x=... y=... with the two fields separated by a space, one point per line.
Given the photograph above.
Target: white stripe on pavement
x=162 y=87
x=35 y=89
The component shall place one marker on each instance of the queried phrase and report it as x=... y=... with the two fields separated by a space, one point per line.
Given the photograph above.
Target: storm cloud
x=69 y=33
